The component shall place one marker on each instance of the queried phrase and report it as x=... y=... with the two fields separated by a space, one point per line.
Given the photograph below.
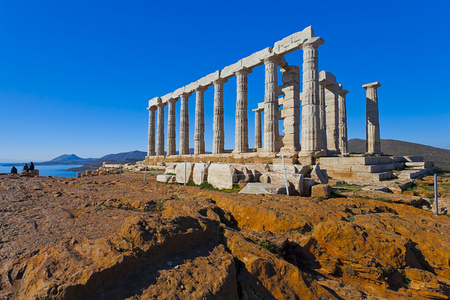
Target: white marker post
x=145 y=172
x=285 y=176
x=436 y=206
x=185 y=166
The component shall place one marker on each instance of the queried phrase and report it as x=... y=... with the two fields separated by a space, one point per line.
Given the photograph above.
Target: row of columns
x=311 y=133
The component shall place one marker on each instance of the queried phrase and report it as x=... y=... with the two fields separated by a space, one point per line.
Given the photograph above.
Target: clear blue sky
x=76 y=76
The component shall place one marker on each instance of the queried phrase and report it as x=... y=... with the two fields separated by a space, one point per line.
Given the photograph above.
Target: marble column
x=373 y=145
x=171 y=134
x=332 y=117
x=199 y=135
x=218 y=130
x=310 y=97
x=271 y=107
x=322 y=118
x=291 y=109
x=184 y=124
x=342 y=122
x=160 y=130
x=241 y=128
x=258 y=141
x=151 y=131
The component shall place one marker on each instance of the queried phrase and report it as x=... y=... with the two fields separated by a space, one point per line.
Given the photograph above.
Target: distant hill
x=124 y=155
x=440 y=156
x=67 y=159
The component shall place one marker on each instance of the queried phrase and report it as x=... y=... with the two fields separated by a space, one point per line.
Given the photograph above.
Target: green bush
x=350 y=271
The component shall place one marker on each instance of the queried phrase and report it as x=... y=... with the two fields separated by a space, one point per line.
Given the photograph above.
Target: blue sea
x=45 y=170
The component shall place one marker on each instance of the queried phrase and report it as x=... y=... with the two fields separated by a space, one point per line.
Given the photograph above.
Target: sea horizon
x=45 y=170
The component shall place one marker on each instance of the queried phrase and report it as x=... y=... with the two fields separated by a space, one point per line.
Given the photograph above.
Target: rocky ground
x=107 y=237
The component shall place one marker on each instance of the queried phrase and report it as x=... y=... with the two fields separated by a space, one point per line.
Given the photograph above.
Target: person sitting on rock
x=14 y=170
x=31 y=166
x=25 y=167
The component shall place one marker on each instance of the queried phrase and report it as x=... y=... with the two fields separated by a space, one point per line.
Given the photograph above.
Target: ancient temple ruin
x=323 y=122
x=317 y=135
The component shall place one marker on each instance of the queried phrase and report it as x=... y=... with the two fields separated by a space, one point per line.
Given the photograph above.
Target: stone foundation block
x=180 y=171
x=307 y=185
x=200 y=172
x=321 y=190
x=163 y=178
x=222 y=176
x=263 y=188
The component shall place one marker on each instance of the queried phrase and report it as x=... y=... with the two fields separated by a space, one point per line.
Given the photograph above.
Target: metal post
x=185 y=166
x=436 y=206
x=145 y=172
x=285 y=176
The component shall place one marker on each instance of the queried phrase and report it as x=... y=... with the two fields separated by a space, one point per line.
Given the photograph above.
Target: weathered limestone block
x=222 y=176
x=244 y=174
x=321 y=190
x=257 y=170
x=307 y=185
x=180 y=170
x=163 y=178
x=170 y=168
x=303 y=169
x=317 y=175
x=376 y=188
x=289 y=168
x=263 y=188
x=200 y=172
x=295 y=181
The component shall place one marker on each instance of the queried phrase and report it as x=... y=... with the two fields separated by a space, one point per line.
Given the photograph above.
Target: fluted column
x=171 y=134
x=342 y=122
x=151 y=131
x=199 y=135
x=310 y=97
x=322 y=118
x=373 y=145
x=184 y=124
x=332 y=117
x=291 y=109
x=271 y=107
x=258 y=141
x=218 y=131
x=160 y=130
x=241 y=128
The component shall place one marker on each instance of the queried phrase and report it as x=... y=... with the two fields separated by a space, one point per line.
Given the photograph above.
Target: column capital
x=161 y=105
x=201 y=89
x=312 y=43
x=258 y=110
x=220 y=81
x=172 y=100
x=243 y=71
x=186 y=95
x=277 y=59
x=152 y=108
x=374 y=85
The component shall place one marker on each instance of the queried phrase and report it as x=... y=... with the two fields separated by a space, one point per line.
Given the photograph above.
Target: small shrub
x=173 y=174
x=175 y=196
x=351 y=219
x=350 y=271
x=429 y=195
x=190 y=183
x=267 y=246
x=407 y=281
x=207 y=186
